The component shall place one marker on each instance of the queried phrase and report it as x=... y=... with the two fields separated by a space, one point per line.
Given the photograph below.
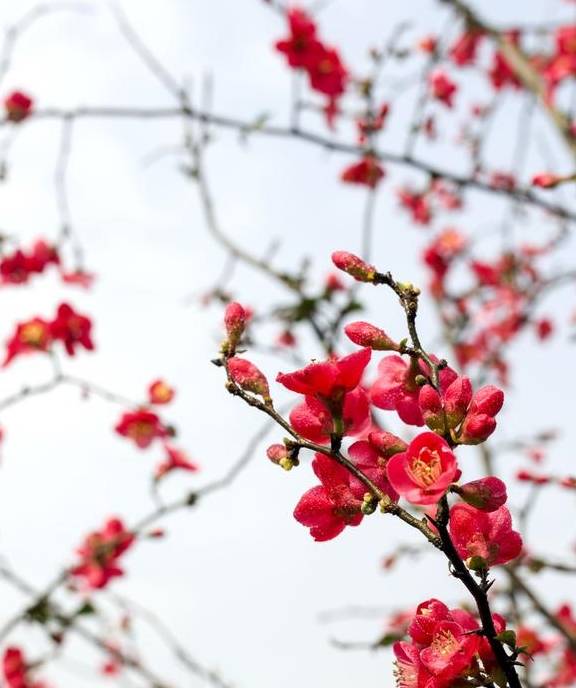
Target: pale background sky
x=238 y=580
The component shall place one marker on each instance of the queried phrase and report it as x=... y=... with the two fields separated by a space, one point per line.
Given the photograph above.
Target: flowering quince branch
x=423 y=471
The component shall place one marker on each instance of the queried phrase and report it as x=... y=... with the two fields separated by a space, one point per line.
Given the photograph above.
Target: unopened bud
x=235 y=318
x=247 y=376
x=457 y=399
x=432 y=410
x=369 y=504
x=486 y=494
x=354 y=266
x=365 y=334
x=279 y=454
x=476 y=428
x=546 y=180
x=386 y=444
x=476 y=563
x=488 y=400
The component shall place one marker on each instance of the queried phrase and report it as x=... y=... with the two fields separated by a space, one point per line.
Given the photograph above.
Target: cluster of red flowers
x=496 y=307
x=143 y=426
x=38 y=335
x=17 y=671
x=444 y=645
x=304 y=50
x=422 y=205
x=18 y=267
x=337 y=405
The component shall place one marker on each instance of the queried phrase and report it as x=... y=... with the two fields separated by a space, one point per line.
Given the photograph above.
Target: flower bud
x=365 y=334
x=279 y=454
x=235 y=318
x=369 y=504
x=488 y=400
x=456 y=400
x=247 y=376
x=476 y=428
x=354 y=266
x=546 y=180
x=386 y=444
x=432 y=410
x=486 y=494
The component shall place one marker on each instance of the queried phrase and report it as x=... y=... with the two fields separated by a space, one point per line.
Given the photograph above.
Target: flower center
x=32 y=334
x=406 y=675
x=444 y=643
x=426 y=467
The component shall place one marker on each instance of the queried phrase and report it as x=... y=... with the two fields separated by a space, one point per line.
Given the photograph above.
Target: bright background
x=238 y=580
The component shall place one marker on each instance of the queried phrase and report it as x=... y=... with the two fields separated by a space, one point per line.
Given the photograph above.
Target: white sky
x=238 y=580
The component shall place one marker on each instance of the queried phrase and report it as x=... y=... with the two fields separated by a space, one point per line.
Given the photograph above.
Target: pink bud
x=486 y=494
x=431 y=407
x=546 y=180
x=365 y=334
x=235 y=318
x=386 y=444
x=487 y=400
x=354 y=266
x=249 y=377
x=278 y=454
x=457 y=399
x=476 y=428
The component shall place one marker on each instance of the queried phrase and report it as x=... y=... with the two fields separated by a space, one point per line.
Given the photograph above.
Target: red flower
x=18 y=106
x=327 y=73
x=442 y=88
x=423 y=473
x=329 y=379
x=141 y=426
x=17 y=267
x=175 y=459
x=301 y=47
x=372 y=463
x=328 y=508
x=72 y=329
x=30 y=336
x=464 y=50
x=78 y=277
x=99 y=554
x=488 y=536
x=159 y=392
x=417 y=204
x=544 y=328
x=368 y=172
x=395 y=389
x=313 y=420
x=16 y=670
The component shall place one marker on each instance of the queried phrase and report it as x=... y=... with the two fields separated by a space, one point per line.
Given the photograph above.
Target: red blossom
x=301 y=47
x=396 y=389
x=99 y=554
x=331 y=506
x=142 y=427
x=313 y=419
x=463 y=52
x=442 y=88
x=367 y=172
x=423 y=473
x=159 y=392
x=72 y=329
x=328 y=379
x=18 y=106
x=30 y=336
x=486 y=536
x=176 y=459
x=417 y=204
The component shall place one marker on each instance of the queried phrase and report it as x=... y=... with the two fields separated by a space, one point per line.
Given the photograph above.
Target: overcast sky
x=239 y=581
